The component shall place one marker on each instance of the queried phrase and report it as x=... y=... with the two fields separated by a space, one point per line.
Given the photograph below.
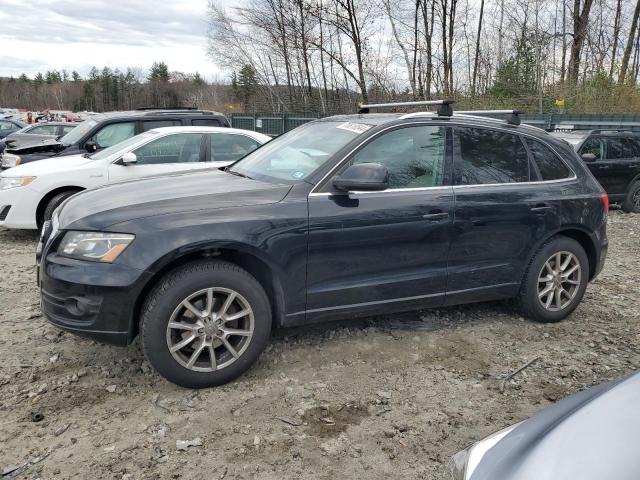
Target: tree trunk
x=629 y=47
x=616 y=34
x=475 y=61
x=580 y=23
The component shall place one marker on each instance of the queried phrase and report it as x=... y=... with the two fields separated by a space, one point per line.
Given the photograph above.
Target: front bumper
x=20 y=205
x=90 y=299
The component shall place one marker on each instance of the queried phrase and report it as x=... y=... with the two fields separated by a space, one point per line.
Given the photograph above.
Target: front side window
x=6 y=126
x=230 y=147
x=414 y=156
x=485 y=157
x=114 y=134
x=178 y=148
x=595 y=146
x=548 y=163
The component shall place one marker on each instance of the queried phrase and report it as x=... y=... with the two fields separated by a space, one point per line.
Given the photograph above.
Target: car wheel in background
x=631 y=203
x=205 y=324
x=555 y=280
x=54 y=203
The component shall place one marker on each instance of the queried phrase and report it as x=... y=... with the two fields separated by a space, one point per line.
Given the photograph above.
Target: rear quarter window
x=550 y=166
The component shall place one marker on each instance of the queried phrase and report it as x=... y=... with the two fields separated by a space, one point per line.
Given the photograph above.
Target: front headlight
x=464 y=463
x=10 y=160
x=94 y=246
x=13 y=182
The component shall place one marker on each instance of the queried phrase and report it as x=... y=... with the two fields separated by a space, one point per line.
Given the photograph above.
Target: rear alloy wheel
x=205 y=324
x=555 y=281
x=558 y=281
x=631 y=203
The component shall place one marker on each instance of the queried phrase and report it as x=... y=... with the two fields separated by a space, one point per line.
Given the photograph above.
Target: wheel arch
x=245 y=256
x=42 y=204
x=580 y=235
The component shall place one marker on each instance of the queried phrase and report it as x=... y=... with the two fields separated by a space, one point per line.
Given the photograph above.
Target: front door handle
x=434 y=217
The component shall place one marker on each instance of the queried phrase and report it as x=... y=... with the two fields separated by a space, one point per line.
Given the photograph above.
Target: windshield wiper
x=86 y=155
x=237 y=174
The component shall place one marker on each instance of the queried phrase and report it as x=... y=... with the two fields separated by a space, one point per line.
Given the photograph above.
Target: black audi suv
x=346 y=216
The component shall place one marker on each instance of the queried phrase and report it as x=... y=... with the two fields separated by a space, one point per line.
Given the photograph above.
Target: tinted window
x=414 y=156
x=114 y=134
x=549 y=165
x=618 y=148
x=595 y=146
x=635 y=146
x=489 y=156
x=150 y=124
x=226 y=147
x=205 y=122
x=179 y=148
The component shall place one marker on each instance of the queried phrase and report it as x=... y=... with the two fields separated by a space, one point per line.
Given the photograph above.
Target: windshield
x=122 y=146
x=76 y=134
x=297 y=154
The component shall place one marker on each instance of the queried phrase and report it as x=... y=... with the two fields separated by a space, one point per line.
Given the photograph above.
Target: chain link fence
x=275 y=124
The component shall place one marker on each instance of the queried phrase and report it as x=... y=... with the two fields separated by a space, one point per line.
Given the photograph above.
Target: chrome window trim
x=445 y=124
x=388 y=190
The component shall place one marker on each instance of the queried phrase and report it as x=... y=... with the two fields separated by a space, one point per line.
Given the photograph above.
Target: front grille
x=4 y=212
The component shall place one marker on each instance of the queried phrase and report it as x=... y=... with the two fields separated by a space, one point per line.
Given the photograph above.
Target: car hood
x=48 y=165
x=180 y=193
x=20 y=141
x=46 y=145
x=588 y=436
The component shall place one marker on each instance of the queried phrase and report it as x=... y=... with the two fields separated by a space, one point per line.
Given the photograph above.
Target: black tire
x=167 y=297
x=530 y=303
x=631 y=202
x=54 y=203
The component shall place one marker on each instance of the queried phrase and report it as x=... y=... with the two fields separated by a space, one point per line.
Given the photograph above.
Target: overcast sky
x=40 y=35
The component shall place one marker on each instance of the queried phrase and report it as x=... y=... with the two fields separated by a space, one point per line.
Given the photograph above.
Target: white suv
x=30 y=193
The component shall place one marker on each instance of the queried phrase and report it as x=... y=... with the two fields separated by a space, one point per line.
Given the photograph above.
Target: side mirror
x=589 y=157
x=129 y=158
x=90 y=146
x=368 y=177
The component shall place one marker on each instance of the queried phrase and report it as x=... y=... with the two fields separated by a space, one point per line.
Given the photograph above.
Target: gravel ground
x=382 y=397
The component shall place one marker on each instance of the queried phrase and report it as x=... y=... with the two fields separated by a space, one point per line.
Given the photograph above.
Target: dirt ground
x=389 y=397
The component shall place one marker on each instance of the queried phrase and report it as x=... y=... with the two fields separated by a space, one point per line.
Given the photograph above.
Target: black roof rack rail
x=443 y=106
x=165 y=108
x=513 y=116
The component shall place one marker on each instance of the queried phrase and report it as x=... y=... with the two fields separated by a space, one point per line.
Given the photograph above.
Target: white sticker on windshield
x=354 y=127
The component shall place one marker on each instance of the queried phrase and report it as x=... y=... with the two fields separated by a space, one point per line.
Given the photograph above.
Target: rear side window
x=67 y=128
x=151 y=124
x=205 y=122
x=489 y=156
x=548 y=163
x=230 y=147
x=618 y=148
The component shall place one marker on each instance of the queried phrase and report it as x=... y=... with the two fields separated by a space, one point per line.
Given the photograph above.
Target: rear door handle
x=434 y=217
x=541 y=208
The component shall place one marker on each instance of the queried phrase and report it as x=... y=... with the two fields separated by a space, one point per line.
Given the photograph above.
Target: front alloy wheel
x=205 y=323
x=210 y=329
x=558 y=281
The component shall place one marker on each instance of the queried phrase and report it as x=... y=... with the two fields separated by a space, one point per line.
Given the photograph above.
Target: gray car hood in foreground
x=592 y=435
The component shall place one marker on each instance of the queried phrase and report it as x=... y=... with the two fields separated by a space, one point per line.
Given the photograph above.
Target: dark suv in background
x=614 y=159
x=346 y=216
x=106 y=129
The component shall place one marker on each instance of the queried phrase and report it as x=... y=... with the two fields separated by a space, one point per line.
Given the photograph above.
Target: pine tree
x=247 y=84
